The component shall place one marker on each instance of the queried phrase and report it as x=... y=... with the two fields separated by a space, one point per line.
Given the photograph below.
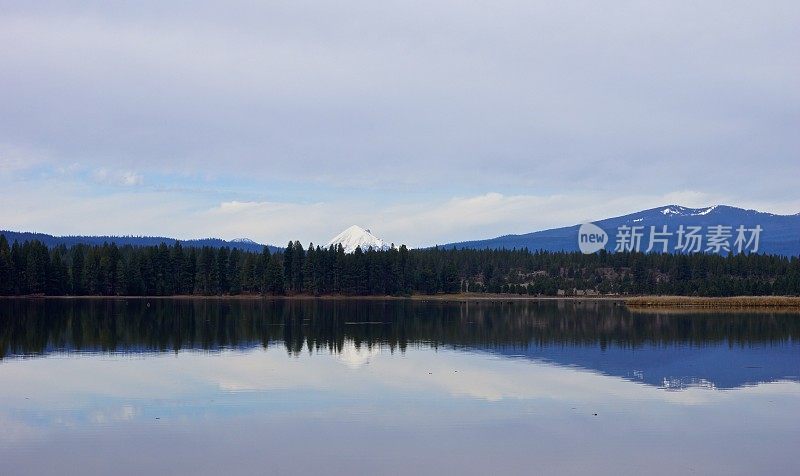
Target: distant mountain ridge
x=243 y=244
x=780 y=234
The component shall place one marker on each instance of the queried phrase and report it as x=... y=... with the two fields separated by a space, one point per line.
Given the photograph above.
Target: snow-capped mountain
x=244 y=240
x=355 y=237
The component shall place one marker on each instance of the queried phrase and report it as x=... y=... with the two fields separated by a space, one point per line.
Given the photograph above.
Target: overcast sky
x=426 y=121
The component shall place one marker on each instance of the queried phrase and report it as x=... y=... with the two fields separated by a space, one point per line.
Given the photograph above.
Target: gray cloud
x=527 y=98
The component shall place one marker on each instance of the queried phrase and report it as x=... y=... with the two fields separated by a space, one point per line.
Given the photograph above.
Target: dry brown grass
x=734 y=302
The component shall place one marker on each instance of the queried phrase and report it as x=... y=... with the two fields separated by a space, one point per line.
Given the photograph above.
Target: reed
x=715 y=302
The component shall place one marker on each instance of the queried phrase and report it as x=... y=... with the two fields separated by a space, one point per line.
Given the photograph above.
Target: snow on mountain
x=355 y=237
x=679 y=211
x=708 y=210
x=243 y=240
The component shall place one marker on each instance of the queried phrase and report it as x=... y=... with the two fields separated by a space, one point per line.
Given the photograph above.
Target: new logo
x=591 y=238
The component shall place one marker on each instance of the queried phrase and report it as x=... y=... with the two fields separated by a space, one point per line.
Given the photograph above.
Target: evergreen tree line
x=31 y=268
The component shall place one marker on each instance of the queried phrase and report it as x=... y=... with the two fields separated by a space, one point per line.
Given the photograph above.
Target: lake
x=210 y=386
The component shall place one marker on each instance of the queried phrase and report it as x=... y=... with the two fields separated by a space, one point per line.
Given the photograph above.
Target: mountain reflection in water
x=673 y=351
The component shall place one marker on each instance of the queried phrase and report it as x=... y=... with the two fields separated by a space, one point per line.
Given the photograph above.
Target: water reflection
x=393 y=387
x=672 y=351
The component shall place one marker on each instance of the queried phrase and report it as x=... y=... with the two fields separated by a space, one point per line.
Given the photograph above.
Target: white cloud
x=131 y=178
x=478 y=376
x=521 y=94
x=127 y=210
x=124 y=178
x=15 y=159
x=467 y=122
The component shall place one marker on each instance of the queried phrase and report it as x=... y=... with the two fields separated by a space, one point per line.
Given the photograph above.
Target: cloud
x=479 y=376
x=124 y=178
x=494 y=214
x=131 y=178
x=517 y=96
x=442 y=221
x=295 y=120
x=422 y=221
x=15 y=159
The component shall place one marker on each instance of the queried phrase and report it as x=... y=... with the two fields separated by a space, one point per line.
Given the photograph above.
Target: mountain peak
x=354 y=237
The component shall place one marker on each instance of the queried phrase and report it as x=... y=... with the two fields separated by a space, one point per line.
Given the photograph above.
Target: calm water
x=391 y=387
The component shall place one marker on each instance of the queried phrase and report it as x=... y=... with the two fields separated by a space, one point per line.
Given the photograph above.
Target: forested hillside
x=52 y=241
x=32 y=268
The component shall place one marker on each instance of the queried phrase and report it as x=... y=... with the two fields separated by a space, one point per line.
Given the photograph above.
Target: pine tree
x=274 y=277
x=298 y=258
x=288 y=265
x=309 y=271
x=234 y=272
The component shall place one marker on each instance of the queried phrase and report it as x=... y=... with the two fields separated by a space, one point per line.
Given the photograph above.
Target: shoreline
x=337 y=297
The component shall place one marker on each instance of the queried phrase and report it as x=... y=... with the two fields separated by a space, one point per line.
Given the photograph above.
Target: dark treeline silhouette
x=31 y=268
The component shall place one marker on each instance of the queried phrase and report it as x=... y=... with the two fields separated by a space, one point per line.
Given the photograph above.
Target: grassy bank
x=734 y=302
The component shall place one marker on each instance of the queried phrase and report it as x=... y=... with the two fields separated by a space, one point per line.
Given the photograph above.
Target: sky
x=427 y=122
